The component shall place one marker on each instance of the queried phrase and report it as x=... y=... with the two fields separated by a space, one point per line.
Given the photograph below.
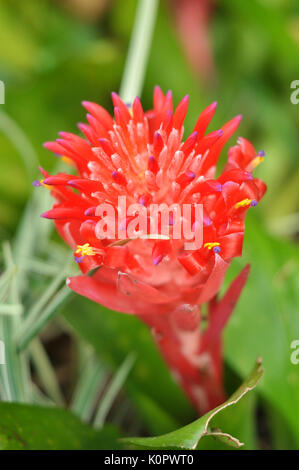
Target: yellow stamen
x=85 y=250
x=45 y=185
x=243 y=203
x=256 y=161
x=211 y=245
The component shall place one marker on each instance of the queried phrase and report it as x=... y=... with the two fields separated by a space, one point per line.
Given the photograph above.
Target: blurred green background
x=54 y=54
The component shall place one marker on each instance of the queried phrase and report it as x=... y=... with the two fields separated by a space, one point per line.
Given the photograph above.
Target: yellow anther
x=256 y=161
x=85 y=250
x=211 y=245
x=45 y=185
x=243 y=203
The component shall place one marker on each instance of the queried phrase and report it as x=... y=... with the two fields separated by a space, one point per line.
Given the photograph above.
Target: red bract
x=141 y=155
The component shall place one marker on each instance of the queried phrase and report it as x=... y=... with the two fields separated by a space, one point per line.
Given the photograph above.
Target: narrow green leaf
x=113 y=390
x=11 y=309
x=44 y=299
x=5 y=280
x=88 y=388
x=45 y=371
x=136 y=62
x=40 y=267
x=33 y=328
x=14 y=373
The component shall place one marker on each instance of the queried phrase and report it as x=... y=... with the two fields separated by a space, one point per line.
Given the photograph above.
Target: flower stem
x=133 y=77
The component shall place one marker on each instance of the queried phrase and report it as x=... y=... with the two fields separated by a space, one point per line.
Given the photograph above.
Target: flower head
x=143 y=157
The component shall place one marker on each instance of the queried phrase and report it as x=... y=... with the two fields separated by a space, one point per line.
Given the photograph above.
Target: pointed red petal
x=223 y=309
x=180 y=112
x=99 y=112
x=228 y=129
x=64 y=213
x=204 y=120
x=138 y=113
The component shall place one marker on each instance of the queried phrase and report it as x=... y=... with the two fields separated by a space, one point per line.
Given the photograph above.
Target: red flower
x=141 y=155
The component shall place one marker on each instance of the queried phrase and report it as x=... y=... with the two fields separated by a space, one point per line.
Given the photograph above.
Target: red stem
x=193 y=356
x=178 y=338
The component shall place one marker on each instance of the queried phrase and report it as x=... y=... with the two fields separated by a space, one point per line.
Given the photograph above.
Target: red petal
x=158 y=144
x=236 y=175
x=160 y=250
x=204 y=120
x=54 y=147
x=213 y=284
x=223 y=309
x=89 y=133
x=121 y=293
x=100 y=113
x=138 y=113
x=158 y=98
x=85 y=185
x=180 y=113
x=57 y=180
x=64 y=213
x=228 y=129
x=231 y=245
x=208 y=141
x=262 y=187
x=124 y=112
x=189 y=143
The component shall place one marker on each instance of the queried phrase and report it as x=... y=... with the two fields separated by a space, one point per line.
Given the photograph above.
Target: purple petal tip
x=190 y=174
x=157 y=260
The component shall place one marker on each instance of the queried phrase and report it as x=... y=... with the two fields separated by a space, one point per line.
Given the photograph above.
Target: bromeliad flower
x=142 y=157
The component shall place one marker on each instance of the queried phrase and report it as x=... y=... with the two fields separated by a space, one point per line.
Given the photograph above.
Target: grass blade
x=45 y=372
x=141 y=38
x=34 y=327
x=87 y=390
x=113 y=389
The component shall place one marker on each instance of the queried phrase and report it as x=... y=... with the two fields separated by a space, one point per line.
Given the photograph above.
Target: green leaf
x=91 y=381
x=113 y=335
x=113 y=389
x=266 y=320
x=189 y=436
x=45 y=371
x=24 y=427
x=238 y=420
